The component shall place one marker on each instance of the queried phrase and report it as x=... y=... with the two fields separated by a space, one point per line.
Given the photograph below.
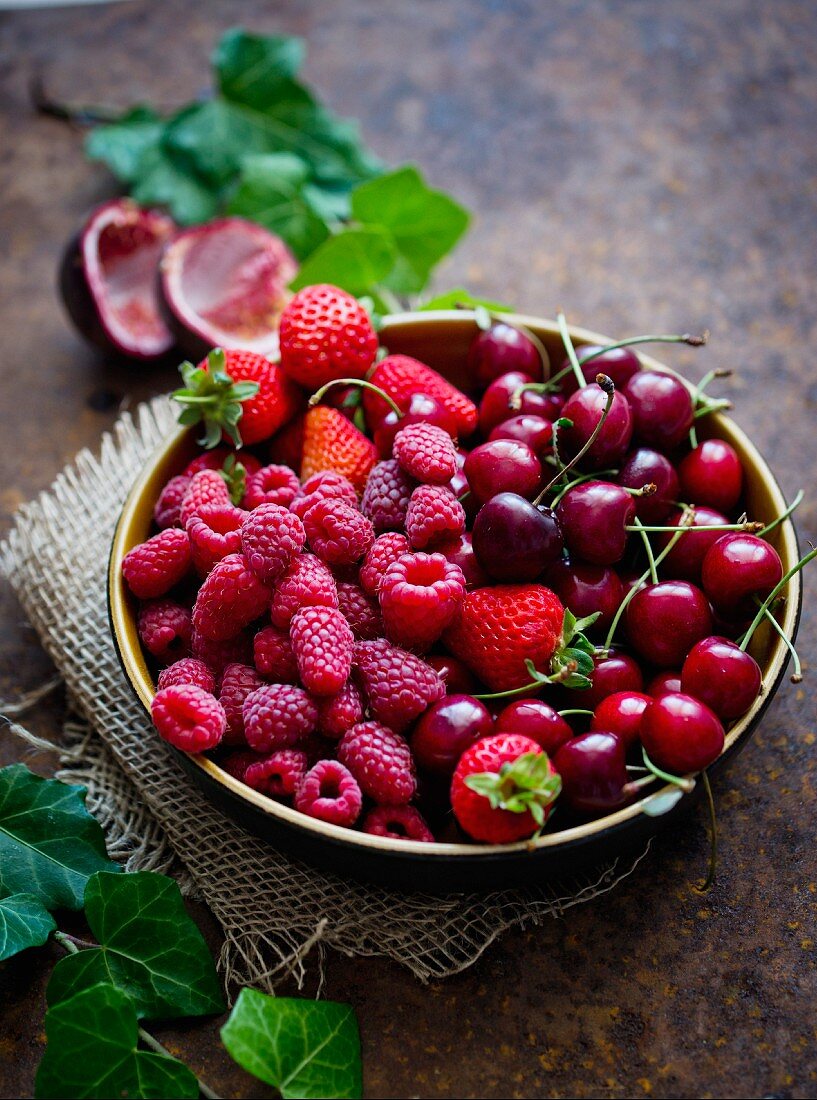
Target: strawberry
x=325 y=334
x=331 y=442
x=237 y=394
x=400 y=376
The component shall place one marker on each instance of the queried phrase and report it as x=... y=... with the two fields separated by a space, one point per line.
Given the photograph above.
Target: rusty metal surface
x=648 y=166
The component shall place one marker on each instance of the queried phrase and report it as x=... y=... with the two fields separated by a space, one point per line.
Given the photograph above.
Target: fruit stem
x=645 y=490
x=636 y=784
x=579 y=481
x=563 y=674
x=783 y=516
x=709 y=881
x=686 y=783
x=639 y=526
x=606 y=384
x=571 y=351
x=775 y=592
x=686 y=338
x=712 y=406
x=575 y=710
x=754 y=526
x=797 y=676
x=319 y=394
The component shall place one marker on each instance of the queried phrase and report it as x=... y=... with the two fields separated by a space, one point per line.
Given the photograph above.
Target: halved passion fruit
x=108 y=279
x=224 y=284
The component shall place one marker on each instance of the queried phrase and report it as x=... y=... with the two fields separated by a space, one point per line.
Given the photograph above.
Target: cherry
x=644 y=467
x=420 y=408
x=665 y=620
x=738 y=569
x=616 y=672
x=536 y=720
x=586 y=589
x=712 y=474
x=620 y=364
x=495 y=405
x=504 y=465
x=681 y=734
x=527 y=428
x=662 y=408
x=621 y=714
x=687 y=555
x=594 y=516
x=499 y=349
x=447 y=729
x=663 y=682
x=720 y=674
x=585 y=409
x=515 y=540
x=460 y=551
x=459 y=679
x=462 y=490
x=594 y=773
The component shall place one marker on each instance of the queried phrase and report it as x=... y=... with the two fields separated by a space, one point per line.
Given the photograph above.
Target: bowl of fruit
x=478 y=599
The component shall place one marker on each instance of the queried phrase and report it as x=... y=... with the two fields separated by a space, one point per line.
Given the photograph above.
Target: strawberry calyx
x=574 y=655
x=211 y=397
x=525 y=784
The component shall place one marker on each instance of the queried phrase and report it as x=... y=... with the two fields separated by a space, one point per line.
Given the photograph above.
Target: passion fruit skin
x=77 y=297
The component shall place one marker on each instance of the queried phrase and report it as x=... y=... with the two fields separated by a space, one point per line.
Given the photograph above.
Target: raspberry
x=273 y=656
x=236 y=763
x=329 y=792
x=426 y=452
x=188 y=717
x=214 y=532
x=277 y=716
x=229 y=599
x=434 y=515
x=340 y=712
x=216 y=655
x=279 y=775
x=164 y=630
x=189 y=670
x=338 y=533
x=420 y=595
x=324 y=486
x=397 y=822
x=167 y=510
x=155 y=566
x=323 y=644
x=381 y=762
x=206 y=487
x=385 y=550
x=271 y=485
x=307 y=583
x=361 y=612
x=398 y=685
x=271 y=536
x=386 y=496
x=237 y=683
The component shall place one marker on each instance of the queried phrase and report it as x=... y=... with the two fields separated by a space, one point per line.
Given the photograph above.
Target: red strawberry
x=331 y=442
x=325 y=334
x=400 y=376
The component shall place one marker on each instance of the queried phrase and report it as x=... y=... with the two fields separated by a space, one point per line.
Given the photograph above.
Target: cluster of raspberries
x=288 y=627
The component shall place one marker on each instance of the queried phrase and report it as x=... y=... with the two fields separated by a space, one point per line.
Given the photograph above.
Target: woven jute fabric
x=272 y=909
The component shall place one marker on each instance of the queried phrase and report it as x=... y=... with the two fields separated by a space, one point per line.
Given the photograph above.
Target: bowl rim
x=136 y=672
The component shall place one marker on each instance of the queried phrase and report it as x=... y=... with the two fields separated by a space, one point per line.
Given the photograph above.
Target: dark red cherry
x=712 y=474
x=586 y=589
x=663 y=682
x=593 y=517
x=585 y=409
x=687 y=555
x=617 y=672
x=665 y=620
x=495 y=405
x=621 y=714
x=499 y=349
x=533 y=430
x=720 y=674
x=594 y=773
x=620 y=364
x=460 y=551
x=420 y=408
x=503 y=466
x=681 y=734
x=536 y=720
x=459 y=679
x=737 y=570
x=662 y=409
x=644 y=467
x=446 y=730
x=515 y=540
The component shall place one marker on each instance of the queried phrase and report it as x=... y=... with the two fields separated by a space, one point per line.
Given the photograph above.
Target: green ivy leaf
x=148 y=947
x=457 y=298
x=49 y=843
x=164 y=179
x=272 y=192
x=24 y=922
x=122 y=144
x=355 y=260
x=92 y=1052
x=254 y=69
x=302 y=1048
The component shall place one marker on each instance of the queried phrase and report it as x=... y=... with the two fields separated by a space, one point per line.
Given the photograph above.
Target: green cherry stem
x=575 y=710
x=605 y=384
x=571 y=351
x=797 y=675
x=783 y=516
x=647 y=550
x=686 y=338
x=709 y=881
x=318 y=395
x=748 y=525
x=775 y=592
x=579 y=481
x=685 y=782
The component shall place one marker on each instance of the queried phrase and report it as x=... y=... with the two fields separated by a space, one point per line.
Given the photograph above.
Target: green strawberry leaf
x=148 y=947
x=459 y=299
x=24 y=922
x=302 y=1048
x=354 y=259
x=272 y=191
x=93 y=1052
x=49 y=843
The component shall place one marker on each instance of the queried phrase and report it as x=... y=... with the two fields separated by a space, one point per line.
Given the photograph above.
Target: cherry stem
x=579 y=481
x=645 y=490
x=748 y=525
x=783 y=517
x=575 y=710
x=712 y=406
x=685 y=338
x=685 y=782
x=639 y=526
x=319 y=394
x=709 y=881
x=636 y=784
x=571 y=351
x=797 y=675
x=775 y=592
x=605 y=384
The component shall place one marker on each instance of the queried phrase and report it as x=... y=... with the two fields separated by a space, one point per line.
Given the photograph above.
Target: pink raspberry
x=307 y=583
x=434 y=515
x=155 y=566
x=397 y=822
x=188 y=717
x=206 y=487
x=426 y=452
x=420 y=595
x=398 y=684
x=218 y=654
x=337 y=532
x=237 y=683
x=214 y=532
x=273 y=656
x=272 y=484
x=230 y=597
x=164 y=629
x=340 y=712
x=278 y=775
x=361 y=612
x=326 y=485
x=381 y=762
x=215 y=459
x=189 y=670
x=323 y=644
x=236 y=763
x=168 y=508
x=271 y=536
x=329 y=793
x=385 y=549
x=277 y=716
x=386 y=496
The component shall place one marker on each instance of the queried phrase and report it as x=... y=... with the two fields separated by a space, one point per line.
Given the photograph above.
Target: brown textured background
x=649 y=166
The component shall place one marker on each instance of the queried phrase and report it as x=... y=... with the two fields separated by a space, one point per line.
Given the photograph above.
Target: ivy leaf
x=457 y=298
x=49 y=843
x=355 y=260
x=92 y=1052
x=148 y=947
x=164 y=178
x=272 y=192
x=256 y=69
x=24 y=922
x=122 y=144
x=302 y=1048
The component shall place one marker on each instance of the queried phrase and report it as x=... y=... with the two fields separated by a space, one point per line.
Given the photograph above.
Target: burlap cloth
x=272 y=910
